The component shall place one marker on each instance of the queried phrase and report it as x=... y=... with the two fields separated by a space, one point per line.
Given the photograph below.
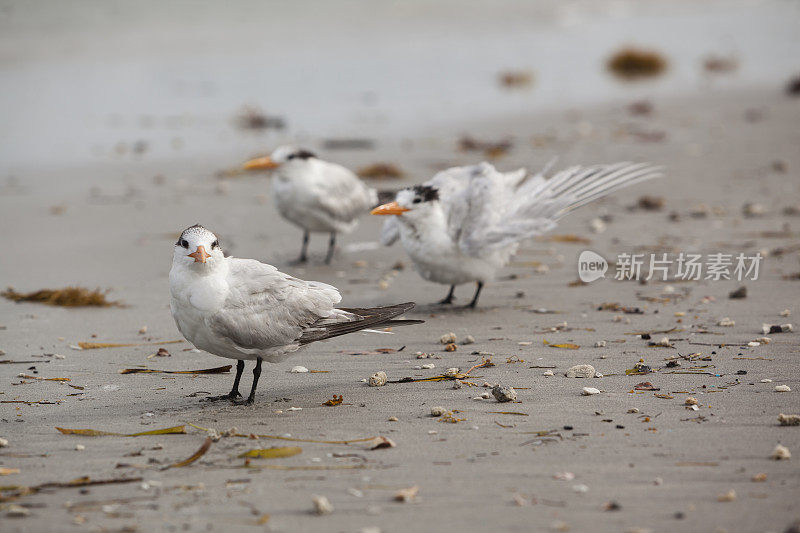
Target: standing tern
x=466 y=222
x=246 y=310
x=316 y=195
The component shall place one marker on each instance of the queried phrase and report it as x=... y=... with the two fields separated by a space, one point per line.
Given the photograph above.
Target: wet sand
x=664 y=466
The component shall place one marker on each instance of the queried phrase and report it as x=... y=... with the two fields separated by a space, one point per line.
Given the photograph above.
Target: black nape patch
x=302 y=154
x=426 y=192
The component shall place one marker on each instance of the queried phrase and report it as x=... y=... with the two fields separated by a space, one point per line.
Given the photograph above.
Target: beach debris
x=600 y=344
x=80 y=447
x=451 y=372
x=727 y=496
x=380 y=171
x=406 y=495
x=566 y=345
x=754 y=209
x=650 y=203
x=611 y=506
x=272 y=453
x=438 y=411
x=631 y=64
x=450 y=347
x=581 y=371
x=100 y=345
x=380 y=442
x=392 y=419
x=252 y=118
x=8 y=471
x=633 y=410
x=789 y=420
x=348 y=144
x=66 y=297
x=782 y=388
x=785 y=312
x=215 y=370
x=589 y=391
x=548 y=373
x=483 y=396
x=378 y=379
x=766 y=380
x=767 y=329
x=780 y=453
x=726 y=322
x=322 y=505
x=504 y=394
x=515 y=79
x=715 y=64
x=638 y=369
x=469 y=339
x=448 y=338
x=663 y=342
x=175 y=430
x=142 y=330
x=3 y=442
x=336 y=400
x=491 y=149
x=298 y=370
x=428 y=366
x=690 y=401
x=17 y=511
x=759 y=478
x=645 y=386
x=597 y=225
x=739 y=293
x=564 y=476
x=194 y=457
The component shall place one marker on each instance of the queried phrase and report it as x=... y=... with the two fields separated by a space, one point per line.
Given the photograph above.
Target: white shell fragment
x=782 y=388
x=438 y=411
x=589 y=391
x=600 y=344
x=406 y=495
x=3 y=442
x=548 y=373
x=451 y=372
x=726 y=322
x=469 y=339
x=780 y=453
x=322 y=505
x=504 y=394
x=298 y=370
x=428 y=366
x=580 y=371
x=789 y=420
x=448 y=338
x=378 y=379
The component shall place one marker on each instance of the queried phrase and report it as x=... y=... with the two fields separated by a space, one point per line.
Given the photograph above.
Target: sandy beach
x=621 y=460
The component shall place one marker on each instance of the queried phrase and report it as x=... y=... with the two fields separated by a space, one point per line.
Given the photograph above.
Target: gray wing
x=342 y=194
x=266 y=308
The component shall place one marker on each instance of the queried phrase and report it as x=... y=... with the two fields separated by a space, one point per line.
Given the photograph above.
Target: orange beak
x=200 y=255
x=260 y=163
x=392 y=208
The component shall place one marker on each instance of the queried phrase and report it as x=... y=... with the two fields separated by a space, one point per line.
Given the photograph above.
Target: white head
x=412 y=203
x=198 y=249
x=283 y=155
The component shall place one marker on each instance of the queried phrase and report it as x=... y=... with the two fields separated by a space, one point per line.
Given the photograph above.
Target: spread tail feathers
x=360 y=318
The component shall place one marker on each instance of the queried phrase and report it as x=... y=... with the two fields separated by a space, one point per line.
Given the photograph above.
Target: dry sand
x=665 y=466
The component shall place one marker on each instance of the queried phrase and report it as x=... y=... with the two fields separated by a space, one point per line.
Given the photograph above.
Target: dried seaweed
x=381 y=171
x=515 y=79
x=272 y=453
x=491 y=149
x=66 y=297
x=566 y=345
x=194 y=457
x=215 y=370
x=291 y=439
x=252 y=118
x=99 y=345
x=176 y=430
x=85 y=481
x=336 y=400
x=568 y=237
x=631 y=64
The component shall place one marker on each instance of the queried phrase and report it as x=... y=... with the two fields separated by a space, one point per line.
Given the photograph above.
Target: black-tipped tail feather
x=373 y=317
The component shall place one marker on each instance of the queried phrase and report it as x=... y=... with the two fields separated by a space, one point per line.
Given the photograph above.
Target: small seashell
x=406 y=495
x=600 y=344
x=451 y=372
x=764 y=340
x=80 y=447
x=17 y=511
x=780 y=453
x=504 y=394
x=589 y=391
x=766 y=380
x=633 y=410
x=3 y=442
x=789 y=420
x=428 y=366
x=759 y=478
x=298 y=370
x=450 y=347
x=378 y=379
x=469 y=339
x=322 y=505
x=142 y=330
x=392 y=419
x=690 y=401
x=294 y=409
x=785 y=312
x=726 y=323
x=548 y=373
x=448 y=338
x=782 y=388
x=438 y=411
x=580 y=371
x=727 y=497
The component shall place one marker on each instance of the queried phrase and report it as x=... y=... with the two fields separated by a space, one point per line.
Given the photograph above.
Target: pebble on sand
x=782 y=388
x=438 y=411
x=789 y=420
x=726 y=322
x=780 y=453
x=600 y=344
x=378 y=379
x=548 y=373
x=580 y=371
x=469 y=339
x=448 y=338
x=766 y=329
x=322 y=505
x=504 y=394
x=589 y=391
x=3 y=442
x=727 y=497
x=690 y=401
x=298 y=370
x=406 y=495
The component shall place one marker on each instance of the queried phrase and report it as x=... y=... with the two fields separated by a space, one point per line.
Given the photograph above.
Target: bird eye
x=184 y=243
x=215 y=244
x=416 y=201
x=291 y=156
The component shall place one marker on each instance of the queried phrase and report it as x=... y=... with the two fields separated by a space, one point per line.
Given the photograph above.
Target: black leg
x=234 y=394
x=256 y=375
x=474 y=301
x=450 y=296
x=304 y=249
x=331 y=248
